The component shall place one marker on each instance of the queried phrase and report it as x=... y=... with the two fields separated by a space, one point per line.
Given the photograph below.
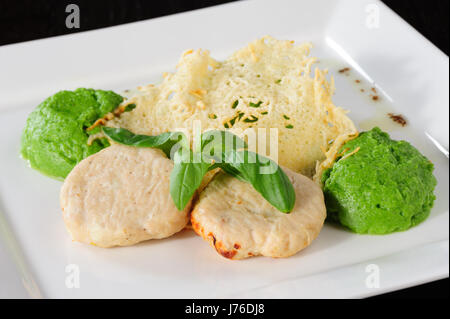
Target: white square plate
x=409 y=73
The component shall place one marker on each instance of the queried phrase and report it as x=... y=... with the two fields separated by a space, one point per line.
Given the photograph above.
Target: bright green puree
x=54 y=139
x=386 y=186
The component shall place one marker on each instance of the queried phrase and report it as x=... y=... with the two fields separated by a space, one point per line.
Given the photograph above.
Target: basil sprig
x=218 y=149
x=186 y=176
x=266 y=177
x=164 y=141
x=215 y=143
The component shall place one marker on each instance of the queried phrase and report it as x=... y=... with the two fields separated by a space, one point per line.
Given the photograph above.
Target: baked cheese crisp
x=267 y=84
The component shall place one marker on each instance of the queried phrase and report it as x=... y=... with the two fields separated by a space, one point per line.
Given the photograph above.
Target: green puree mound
x=386 y=186
x=54 y=139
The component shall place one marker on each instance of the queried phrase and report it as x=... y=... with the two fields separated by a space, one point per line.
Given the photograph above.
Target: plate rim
x=426 y=42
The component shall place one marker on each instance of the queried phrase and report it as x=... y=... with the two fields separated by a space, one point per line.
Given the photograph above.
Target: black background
x=24 y=20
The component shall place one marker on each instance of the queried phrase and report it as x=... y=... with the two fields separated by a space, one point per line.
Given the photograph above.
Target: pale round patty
x=239 y=223
x=120 y=196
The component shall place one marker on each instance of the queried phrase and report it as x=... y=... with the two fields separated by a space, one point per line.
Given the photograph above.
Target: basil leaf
x=186 y=176
x=215 y=143
x=265 y=176
x=226 y=150
x=164 y=141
